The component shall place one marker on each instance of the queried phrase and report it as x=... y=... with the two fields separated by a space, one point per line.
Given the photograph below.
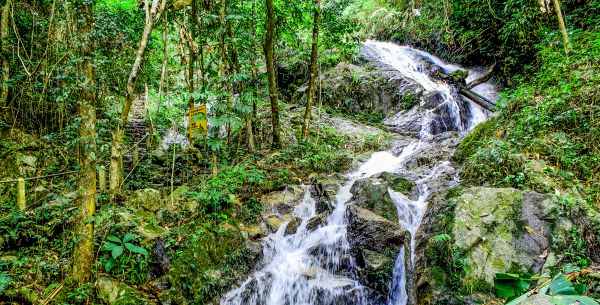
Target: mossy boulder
x=113 y=292
x=148 y=200
x=398 y=183
x=284 y=201
x=373 y=193
x=366 y=89
x=501 y=230
x=378 y=270
x=215 y=260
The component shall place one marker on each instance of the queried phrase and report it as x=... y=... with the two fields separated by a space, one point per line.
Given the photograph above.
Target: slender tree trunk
x=314 y=56
x=116 y=157
x=237 y=69
x=270 y=60
x=254 y=72
x=561 y=25
x=4 y=50
x=84 y=252
x=163 y=70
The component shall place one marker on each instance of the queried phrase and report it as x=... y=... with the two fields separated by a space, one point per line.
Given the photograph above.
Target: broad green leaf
x=579 y=288
x=108 y=246
x=504 y=290
x=109 y=265
x=572 y=299
x=117 y=251
x=523 y=286
x=114 y=239
x=561 y=285
x=544 y=290
x=517 y=300
x=128 y=237
x=507 y=276
x=136 y=249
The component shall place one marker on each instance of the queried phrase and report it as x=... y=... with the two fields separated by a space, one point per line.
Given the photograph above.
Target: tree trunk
x=254 y=72
x=313 y=72
x=561 y=25
x=484 y=79
x=270 y=61
x=478 y=99
x=116 y=156
x=237 y=68
x=4 y=50
x=84 y=251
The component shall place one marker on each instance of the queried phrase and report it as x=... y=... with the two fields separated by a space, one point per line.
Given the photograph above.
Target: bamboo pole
x=562 y=25
x=102 y=179
x=136 y=154
x=21 y=199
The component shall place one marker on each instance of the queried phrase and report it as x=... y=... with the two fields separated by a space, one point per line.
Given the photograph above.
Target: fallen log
x=486 y=77
x=477 y=99
x=458 y=79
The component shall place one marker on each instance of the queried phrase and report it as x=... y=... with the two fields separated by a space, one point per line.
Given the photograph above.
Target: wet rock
x=146 y=199
x=116 y=293
x=274 y=222
x=292 y=226
x=375 y=92
x=253 y=232
x=160 y=263
x=371 y=194
x=317 y=221
x=284 y=201
x=370 y=231
x=398 y=183
x=377 y=270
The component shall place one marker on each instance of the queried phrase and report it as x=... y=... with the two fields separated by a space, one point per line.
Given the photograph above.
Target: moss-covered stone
x=214 y=261
x=475 y=139
x=398 y=183
x=379 y=268
x=115 y=293
x=373 y=196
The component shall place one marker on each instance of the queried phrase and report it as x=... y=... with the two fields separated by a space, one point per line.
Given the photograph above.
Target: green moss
x=472 y=286
x=212 y=263
x=379 y=278
x=399 y=184
x=454 y=192
x=408 y=100
x=475 y=139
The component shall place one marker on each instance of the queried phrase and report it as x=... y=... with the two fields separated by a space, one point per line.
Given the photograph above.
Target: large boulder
x=373 y=193
x=355 y=89
x=148 y=200
x=370 y=194
x=215 y=260
x=115 y=293
x=502 y=230
x=284 y=201
x=375 y=242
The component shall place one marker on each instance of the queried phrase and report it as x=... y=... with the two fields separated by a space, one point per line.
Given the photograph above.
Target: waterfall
x=313 y=267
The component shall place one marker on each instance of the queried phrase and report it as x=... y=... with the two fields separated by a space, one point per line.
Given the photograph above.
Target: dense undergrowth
x=548 y=126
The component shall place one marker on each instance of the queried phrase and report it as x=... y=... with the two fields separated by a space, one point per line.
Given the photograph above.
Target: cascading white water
x=310 y=267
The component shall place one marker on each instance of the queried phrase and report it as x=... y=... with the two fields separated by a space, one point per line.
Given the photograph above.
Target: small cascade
x=313 y=266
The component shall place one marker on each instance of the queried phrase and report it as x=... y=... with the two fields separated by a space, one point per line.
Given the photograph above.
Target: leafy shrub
x=125 y=259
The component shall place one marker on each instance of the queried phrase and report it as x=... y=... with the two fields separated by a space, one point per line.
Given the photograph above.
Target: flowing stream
x=314 y=266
